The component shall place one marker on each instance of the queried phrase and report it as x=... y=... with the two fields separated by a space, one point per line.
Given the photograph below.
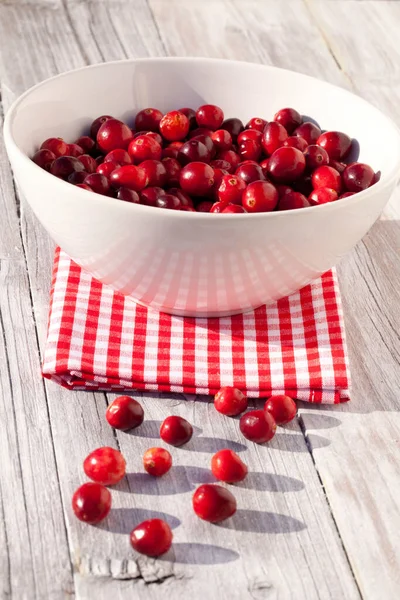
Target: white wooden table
x=319 y=516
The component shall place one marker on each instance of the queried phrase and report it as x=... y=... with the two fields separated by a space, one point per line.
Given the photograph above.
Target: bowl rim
x=387 y=180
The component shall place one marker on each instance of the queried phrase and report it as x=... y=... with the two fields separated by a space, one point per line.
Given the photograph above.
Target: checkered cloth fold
x=99 y=339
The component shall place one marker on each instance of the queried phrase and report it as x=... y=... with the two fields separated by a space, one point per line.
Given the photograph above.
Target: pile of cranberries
x=106 y=466
x=197 y=161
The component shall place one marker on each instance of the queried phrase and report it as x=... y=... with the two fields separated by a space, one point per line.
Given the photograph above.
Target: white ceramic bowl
x=181 y=262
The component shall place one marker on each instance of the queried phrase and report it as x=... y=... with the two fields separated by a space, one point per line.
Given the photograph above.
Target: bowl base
x=197 y=314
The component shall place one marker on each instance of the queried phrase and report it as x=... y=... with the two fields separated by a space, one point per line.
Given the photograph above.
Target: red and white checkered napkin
x=98 y=339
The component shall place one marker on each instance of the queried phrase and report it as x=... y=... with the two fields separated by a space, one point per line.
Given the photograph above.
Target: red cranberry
x=207 y=141
x=336 y=164
x=315 y=157
x=257 y=426
x=273 y=137
x=83 y=186
x=218 y=176
x=191 y=115
x=250 y=134
x=74 y=150
x=105 y=465
x=227 y=466
x=309 y=132
x=204 y=206
x=174 y=126
x=183 y=197
x=107 y=168
x=250 y=172
x=77 y=177
x=148 y=119
x=89 y=163
x=231 y=189
x=97 y=123
x=222 y=139
x=173 y=168
x=213 y=503
x=98 y=183
x=260 y=196
x=233 y=208
x=200 y=131
x=249 y=150
x=176 y=431
x=218 y=207
x=327 y=177
x=224 y=165
x=193 y=151
x=63 y=166
x=282 y=408
x=157 y=461
x=168 y=201
x=295 y=141
x=113 y=134
x=169 y=152
x=91 y=502
x=292 y=200
x=154 y=136
x=210 y=116
x=345 y=195
x=86 y=143
x=336 y=143
x=152 y=537
x=234 y=126
x=155 y=171
x=119 y=156
x=289 y=118
x=231 y=157
x=177 y=145
x=150 y=195
x=129 y=176
x=264 y=166
x=144 y=148
x=128 y=196
x=283 y=189
x=196 y=178
x=230 y=401
x=377 y=177
x=358 y=177
x=286 y=164
x=44 y=159
x=188 y=209
x=322 y=195
x=56 y=145
x=256 y=123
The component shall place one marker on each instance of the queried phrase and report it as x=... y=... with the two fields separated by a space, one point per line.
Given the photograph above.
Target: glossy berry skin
x=209 y=116
x=308 y=131
x=156 y=137
x=233 y=208
x=292 y=200
x=289 y=118
x=193 y=150
x=144 y=148
x=169 y=152
x=196 y=178
x=119 y=156
x=86 y=143
x=83 y=186
x=148 y=119
x=191 y=115
x=346 y=195
x=213 y=503
x=273 y=137
x=128 y=196
x=98 y=183
x=174 y=126
x=231 y=189
x=358 y=177
x=231 y=157
x=77 y=177
x=176 y=431
x=152 y=537
x=129 y=176
x=183 y=197
x=218 y=207
x=322 y=195
x=74 y=150
x=200 y=131
x=234 y=126
x=256 y=123
x=250 y=134
x=224 y=165
x=336 y=143
x=91 y=502
x=204 y=206
x=168 y=201
x=97 y=123
x=250 y=172
x=296 y=141
x=155 y=171
x=286 y=164
x=157 y=461
x=88 y=162
x=125 y=413
x=105 y=465
x=150 y=195
x=260 y=196
x=107 y=168
x=282 y=408
x=230 y=401
x=249 y=150
x=56 y=145
x=44 y=159
x=173 y=169
x=227 y=466
x=264 y=166
x=336 y=164
x=315 y=157
x=113 y=134
x=283 y=189
x=207 y=141
x=327 y=177
x=222 y=139
x=218 y=176
x=63 y=166
x=257 y=426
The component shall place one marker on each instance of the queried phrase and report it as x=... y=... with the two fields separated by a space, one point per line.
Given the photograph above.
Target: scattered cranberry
x=118 y=156
x=91 y=502
x=157 y=461
x=231 y=189
x=231 y=157
x=256 y=123
x=250 y=134
x=56 y=145
x=114 y=134
x=227 y=466
x=309 y=132
x=196 y=178
x=191 y=115
x=260 y=196
x=358 y=177
x=148 y=119
x=168 y=201
x=327 y=177
x=105 y=465
x=129 y=176
x=282 y=408
x=193 y=150
x=174 y=126
x=249 y=150
x=257 y=426
x=63 y=166
x=336 y=143
x=155 y=171
x=233 y=208
x=98 y=183
x=286 y=164
x=230 y=401
x=315 y=157
x=97 y=123
x=107 y=168
x=144 y=148
x=152 y=537
x=322 y=195
x=150 y=195
x=176 y=431
x=289 y=118
x=173 y=169
x=222 y=139
x=295 y=141
x=86 y=143
x=88 y=162
x=273 y=137
x=44 y=159
x=128 y=196
x=234 y=126
x=213 y=503
x=250 y=172
x=292 y=200
x=210 y=116
x=204 y=206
